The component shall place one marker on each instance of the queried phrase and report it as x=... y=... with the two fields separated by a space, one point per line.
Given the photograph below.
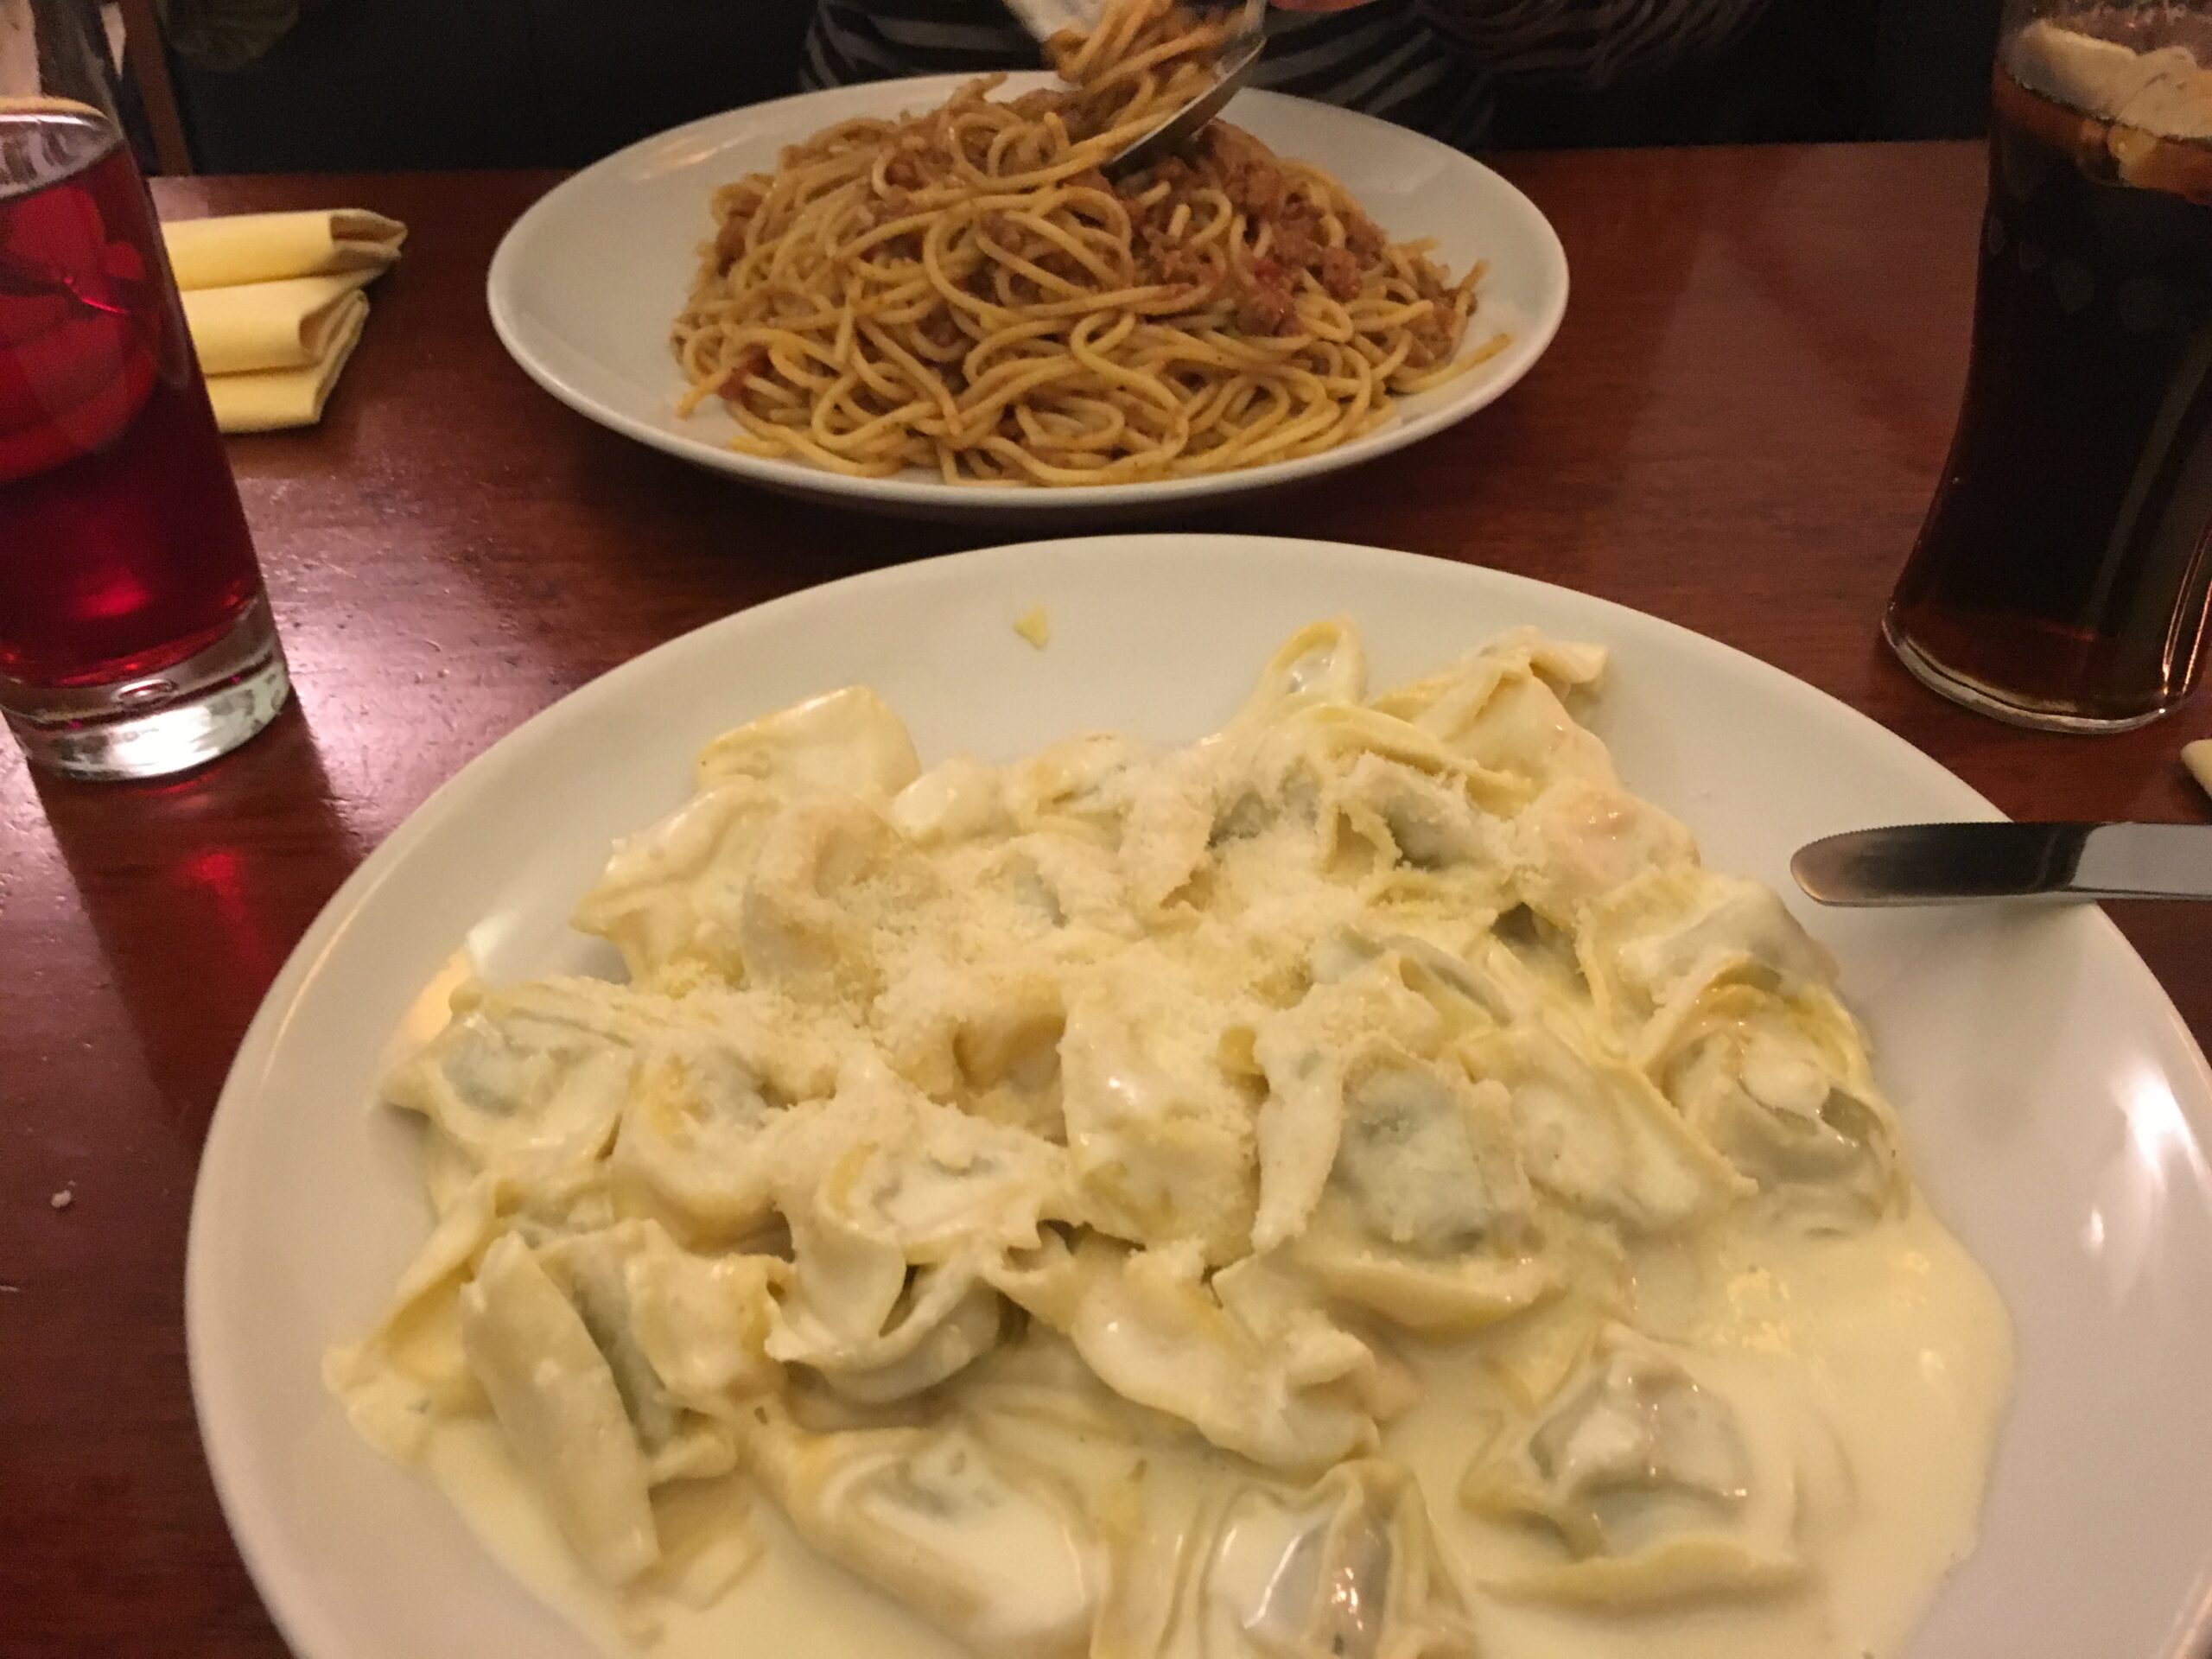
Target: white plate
x=584 y=286
x=2053 y=1102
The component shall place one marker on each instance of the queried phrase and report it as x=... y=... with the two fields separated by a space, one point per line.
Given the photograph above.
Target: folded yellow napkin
x=282 y=325
x=269 y=247
x=267 y=400
x=274 y=306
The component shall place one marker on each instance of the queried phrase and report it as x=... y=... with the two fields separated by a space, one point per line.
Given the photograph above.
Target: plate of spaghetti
x=929 y=297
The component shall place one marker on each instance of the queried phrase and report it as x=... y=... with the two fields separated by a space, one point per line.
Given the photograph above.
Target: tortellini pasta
x=1659 y=1486
x=561 y=1409
x=998 y=1556
x=1241 y=1358
x=1048 y=1183
x=1348 y=1568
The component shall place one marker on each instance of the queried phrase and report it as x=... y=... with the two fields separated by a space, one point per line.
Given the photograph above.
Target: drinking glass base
x=1985 y=701
x=153 y=725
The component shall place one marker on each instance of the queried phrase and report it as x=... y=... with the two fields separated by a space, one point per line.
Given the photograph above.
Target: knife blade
x=1952 y=864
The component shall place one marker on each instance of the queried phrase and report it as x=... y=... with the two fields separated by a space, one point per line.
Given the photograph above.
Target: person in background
x=1437 y=65
x=354 y=85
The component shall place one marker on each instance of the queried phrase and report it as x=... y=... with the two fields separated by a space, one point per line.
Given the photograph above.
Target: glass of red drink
x=135 y=637
x=2060 y=579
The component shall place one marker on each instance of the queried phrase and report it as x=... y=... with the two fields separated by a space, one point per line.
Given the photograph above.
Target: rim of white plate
x=1482 y=386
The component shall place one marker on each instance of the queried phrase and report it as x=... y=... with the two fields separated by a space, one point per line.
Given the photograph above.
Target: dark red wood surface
x=1736 y=429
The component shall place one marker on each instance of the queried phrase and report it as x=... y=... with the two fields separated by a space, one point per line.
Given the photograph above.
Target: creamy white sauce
x=790 y=1601
x=1898 y=1337
x=1375 y=1090
x=1902 y=1344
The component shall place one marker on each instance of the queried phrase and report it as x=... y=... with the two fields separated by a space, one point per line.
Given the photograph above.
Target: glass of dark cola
x=2061 y=578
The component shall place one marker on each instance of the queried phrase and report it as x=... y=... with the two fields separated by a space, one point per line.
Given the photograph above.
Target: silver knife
x=1950 y=864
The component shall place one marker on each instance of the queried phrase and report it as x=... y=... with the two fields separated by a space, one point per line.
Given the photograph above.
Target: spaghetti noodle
x=964 y=291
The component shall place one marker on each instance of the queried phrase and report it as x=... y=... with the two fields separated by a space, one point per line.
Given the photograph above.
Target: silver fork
x=1232 y=67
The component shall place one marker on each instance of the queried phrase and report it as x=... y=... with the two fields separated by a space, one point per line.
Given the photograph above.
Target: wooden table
x=1736 y=429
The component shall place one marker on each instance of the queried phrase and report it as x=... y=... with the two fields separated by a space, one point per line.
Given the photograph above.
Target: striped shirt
x=1431 y=67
